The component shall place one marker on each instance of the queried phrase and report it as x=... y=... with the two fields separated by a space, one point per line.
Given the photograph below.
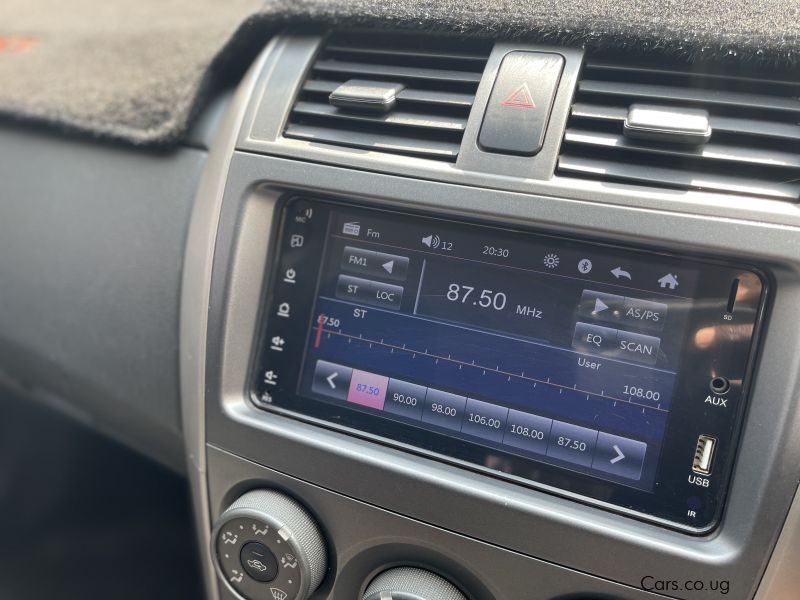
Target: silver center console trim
x=707 y=223
x=196 y=284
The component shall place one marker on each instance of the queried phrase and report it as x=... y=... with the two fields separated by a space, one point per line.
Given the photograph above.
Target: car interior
x=409 y=300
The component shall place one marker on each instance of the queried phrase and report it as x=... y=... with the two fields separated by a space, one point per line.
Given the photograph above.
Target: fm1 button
x=619 y=456
x=258 y=562
x=374 y=264
x=331 y=380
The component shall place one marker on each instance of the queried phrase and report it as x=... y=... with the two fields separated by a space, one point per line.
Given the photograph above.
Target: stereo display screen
x=574 y=366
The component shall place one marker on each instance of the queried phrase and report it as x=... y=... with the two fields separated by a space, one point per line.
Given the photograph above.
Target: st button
x=519 y=107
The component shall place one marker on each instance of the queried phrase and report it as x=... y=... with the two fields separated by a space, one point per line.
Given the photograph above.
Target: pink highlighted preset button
x=367 y=389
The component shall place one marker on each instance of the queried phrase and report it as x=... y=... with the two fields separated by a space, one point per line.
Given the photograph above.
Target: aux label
x=717 y=401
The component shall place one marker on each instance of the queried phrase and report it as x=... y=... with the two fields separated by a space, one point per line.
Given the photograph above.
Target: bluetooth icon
x=584 y=265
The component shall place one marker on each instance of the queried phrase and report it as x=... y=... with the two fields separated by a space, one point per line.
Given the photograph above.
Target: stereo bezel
x=586 y=489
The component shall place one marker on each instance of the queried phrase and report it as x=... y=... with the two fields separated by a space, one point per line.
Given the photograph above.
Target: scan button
x=637 y=347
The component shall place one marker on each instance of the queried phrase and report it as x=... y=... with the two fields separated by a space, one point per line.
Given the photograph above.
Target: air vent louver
x=754 y=146
x=439 y=76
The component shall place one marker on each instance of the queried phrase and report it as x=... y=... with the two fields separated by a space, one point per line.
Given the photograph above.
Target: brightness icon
x=551 y=261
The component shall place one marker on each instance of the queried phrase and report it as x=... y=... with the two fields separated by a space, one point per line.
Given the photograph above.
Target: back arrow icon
x=618 y=457
x=330 y=379
x=620 y=272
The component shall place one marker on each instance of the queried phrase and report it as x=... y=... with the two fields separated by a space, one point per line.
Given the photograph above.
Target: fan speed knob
x=407 y=583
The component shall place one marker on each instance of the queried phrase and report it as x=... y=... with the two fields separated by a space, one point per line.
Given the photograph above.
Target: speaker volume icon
x=432 y=241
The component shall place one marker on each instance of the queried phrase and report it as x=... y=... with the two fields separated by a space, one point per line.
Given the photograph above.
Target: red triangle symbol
x=519 y=98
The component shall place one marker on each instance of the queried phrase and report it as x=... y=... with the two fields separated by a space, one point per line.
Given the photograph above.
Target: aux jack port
x=720 y=385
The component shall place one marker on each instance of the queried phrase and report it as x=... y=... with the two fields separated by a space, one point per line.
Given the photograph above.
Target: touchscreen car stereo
x=612 y=375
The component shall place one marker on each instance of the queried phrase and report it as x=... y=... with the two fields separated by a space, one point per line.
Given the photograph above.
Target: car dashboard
x=499 y=313
x=447 y=317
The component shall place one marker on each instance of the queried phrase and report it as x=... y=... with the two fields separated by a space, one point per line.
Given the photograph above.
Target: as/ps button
x=644 y=313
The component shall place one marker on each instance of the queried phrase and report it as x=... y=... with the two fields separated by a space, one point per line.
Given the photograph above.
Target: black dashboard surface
x=91 y=252
x=143 y=84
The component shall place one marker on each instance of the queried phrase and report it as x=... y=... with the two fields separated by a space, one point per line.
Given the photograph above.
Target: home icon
x=668 y=281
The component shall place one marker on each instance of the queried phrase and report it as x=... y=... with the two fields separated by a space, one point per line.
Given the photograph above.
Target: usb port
x=704 y=454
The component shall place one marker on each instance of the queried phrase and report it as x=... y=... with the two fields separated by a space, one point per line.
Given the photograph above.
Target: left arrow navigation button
x=331 y=380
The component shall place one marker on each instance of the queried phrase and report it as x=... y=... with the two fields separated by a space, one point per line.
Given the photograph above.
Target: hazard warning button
x=519 y=106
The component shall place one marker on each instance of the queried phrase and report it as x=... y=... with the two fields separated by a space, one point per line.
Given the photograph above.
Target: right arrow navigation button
x=619 y=456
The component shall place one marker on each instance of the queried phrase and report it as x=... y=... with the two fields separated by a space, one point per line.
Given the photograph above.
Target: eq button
x=594 y=339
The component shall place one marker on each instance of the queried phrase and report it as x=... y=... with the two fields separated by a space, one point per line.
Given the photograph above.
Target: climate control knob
x=267 y=546
x=408 y=583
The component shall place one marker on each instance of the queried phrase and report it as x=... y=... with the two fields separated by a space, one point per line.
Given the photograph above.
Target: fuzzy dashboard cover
x=138 y=70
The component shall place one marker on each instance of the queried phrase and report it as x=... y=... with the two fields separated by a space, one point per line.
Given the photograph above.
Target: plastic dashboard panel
x=229 y=252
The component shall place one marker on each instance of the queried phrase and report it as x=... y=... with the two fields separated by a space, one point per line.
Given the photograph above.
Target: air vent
x=753 y=149
x=436 y=79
